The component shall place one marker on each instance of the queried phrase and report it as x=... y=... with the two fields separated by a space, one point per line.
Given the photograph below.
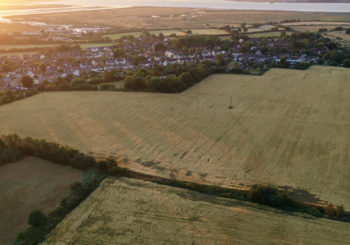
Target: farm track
x=287 y=128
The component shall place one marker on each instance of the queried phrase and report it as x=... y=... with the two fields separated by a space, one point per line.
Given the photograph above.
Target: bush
x=340 y=211
x=270 y=196
x=331 y=210
x=37 y=218
x=32 y=236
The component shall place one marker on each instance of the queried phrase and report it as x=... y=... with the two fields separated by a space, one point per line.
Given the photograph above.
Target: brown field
x=30 y=184
x=175 y=18
x=287 y=128
x=129 y=211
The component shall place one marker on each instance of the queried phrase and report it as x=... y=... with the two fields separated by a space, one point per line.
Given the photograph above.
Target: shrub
x=340 y=211
x=270 y=196
x=37 y=218
x=331 y=210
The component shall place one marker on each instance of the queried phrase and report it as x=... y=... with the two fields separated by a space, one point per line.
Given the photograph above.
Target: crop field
x=38 y=46
x=169 y=32
x=137 y=34
x=312 y=28
x=287 y=128
x=339 y=34
x=317 y=23
x=119 y=35
x=26 y=46
x=209 y=32
x=174 y=18
x=339 y=37
x=30 y=184
x=267 y=34
x=129 y=211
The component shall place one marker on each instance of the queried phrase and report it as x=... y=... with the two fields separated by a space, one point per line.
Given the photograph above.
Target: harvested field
x=129 y=211
x=288 y=128
x=30 y=184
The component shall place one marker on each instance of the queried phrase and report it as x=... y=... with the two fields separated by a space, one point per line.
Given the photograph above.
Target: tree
x=220 y=60
x=331 y=210
x=37 y=218
x=27 y=81
x=340 y=211
x=284 y=63
x=159 y=47
x=346 y=62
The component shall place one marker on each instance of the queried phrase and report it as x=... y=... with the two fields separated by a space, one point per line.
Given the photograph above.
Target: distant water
x=217 y=4
x=207 y=4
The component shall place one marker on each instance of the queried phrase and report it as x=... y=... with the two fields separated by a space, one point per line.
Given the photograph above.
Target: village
x=148 y=51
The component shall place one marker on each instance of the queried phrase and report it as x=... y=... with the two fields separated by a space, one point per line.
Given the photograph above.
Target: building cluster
x=76 y=62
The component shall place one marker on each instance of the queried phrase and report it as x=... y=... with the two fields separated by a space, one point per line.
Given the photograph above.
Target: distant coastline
x=292 y=1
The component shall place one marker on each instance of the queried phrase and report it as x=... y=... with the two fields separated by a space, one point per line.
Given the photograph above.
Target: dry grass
x=175 y=18
x=30 y=184
x=287 y=127
x=128 y=211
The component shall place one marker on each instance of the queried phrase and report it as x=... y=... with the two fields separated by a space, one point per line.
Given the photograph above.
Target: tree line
x=14 y=148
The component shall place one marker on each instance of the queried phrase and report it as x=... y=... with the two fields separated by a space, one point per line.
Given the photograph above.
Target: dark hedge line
x=40 y=224
x=14 y=148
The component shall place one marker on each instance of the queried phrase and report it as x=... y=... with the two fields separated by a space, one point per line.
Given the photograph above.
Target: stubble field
x=287 y=128
x=27 y=185
x=129 y=211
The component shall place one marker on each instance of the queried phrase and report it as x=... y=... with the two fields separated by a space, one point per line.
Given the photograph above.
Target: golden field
x=27 y=185
x=286 y=128
x=129 y=211
x=154 y=18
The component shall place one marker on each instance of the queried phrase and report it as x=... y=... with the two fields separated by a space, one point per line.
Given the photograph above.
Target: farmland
x=153 y=18
x=137 y=34
x=266 y=34
x=129 y=211
x=15 y=47
x=339 y=36
x=209 y=32
x=288 y=128
x=30 y=184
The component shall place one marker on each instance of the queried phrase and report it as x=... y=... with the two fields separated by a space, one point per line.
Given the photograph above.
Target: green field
x=129 y=211
x=266 y=34
x=27 y=185
x=39 y=46
x=287 y=128
x=119 y=35
x=209 y=32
